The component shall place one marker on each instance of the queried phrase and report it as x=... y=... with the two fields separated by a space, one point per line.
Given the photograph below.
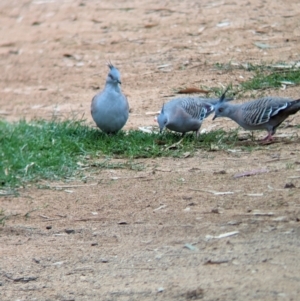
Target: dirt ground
x=180 y=229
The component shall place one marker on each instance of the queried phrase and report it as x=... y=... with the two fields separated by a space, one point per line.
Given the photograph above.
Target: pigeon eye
x=221 y=110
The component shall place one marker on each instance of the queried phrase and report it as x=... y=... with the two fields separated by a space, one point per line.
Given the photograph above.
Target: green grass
x=273 y=79
x=56 y=150
x=264 y=76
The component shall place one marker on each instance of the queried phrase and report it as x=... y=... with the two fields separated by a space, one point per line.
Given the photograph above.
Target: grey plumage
x=110 y=109
x=185 y=114
x=266 y=113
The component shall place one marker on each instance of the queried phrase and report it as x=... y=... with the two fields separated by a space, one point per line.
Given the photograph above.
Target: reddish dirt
x=152 y=234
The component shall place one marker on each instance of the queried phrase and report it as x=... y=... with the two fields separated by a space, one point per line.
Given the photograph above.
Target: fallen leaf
x=150 y=25
x=191 y=90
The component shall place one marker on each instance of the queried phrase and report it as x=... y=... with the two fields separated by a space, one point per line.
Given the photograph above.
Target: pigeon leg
x=268 y=138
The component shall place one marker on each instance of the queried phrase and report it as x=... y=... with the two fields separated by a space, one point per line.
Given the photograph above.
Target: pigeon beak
x=119 y=82
x=215 y=117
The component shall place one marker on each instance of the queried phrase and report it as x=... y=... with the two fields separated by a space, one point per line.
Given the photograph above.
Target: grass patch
x=55 y=150
x=273 y=79
x=264 y=76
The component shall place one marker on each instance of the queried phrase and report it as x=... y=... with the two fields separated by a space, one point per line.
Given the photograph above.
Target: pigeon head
x=162 y=120
x=113 y=76
x=221 y=107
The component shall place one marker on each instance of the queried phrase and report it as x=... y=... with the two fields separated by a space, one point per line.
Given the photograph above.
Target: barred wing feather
x=260 y=111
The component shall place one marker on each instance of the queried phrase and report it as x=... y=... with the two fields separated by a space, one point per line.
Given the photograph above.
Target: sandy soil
x=154 y=234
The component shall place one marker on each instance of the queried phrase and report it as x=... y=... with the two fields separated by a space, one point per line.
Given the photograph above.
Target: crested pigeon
x=265 y=113
x=185 y=114
x=110 y=107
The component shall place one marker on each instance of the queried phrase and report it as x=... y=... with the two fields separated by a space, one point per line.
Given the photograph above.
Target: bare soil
x=154 y=234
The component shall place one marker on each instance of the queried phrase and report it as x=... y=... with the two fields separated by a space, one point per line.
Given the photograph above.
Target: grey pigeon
x=185 y=114
x=266 y=113
x=110 y=107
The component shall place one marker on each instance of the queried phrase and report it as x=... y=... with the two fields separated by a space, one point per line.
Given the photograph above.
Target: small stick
x=71 y=186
